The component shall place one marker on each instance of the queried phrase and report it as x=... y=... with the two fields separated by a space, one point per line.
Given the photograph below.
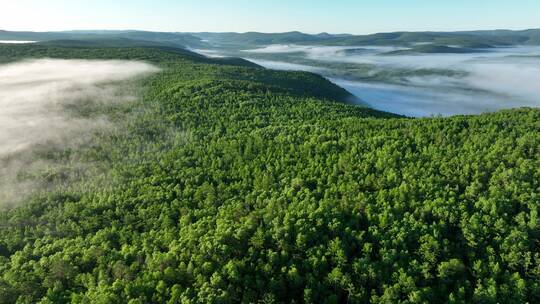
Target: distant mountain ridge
x=164 y=38
x=463 y=39
x=466 y=39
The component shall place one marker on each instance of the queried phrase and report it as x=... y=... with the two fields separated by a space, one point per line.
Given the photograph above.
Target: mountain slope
x=104 y=49
x=255 y=38
x=228 y=184
x=432 y=48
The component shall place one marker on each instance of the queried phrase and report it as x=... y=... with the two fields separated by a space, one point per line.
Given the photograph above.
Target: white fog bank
x=16 y=41
x=470 y=83
x=44 y=107
x=32 y=94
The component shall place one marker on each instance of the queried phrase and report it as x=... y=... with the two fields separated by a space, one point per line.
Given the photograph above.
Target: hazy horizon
x=344 y=16
x=262 y=32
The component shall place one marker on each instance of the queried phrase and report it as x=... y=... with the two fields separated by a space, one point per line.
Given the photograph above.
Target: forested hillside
x=228 y=183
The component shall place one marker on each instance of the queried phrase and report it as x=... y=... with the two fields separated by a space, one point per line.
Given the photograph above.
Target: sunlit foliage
x=230 y=184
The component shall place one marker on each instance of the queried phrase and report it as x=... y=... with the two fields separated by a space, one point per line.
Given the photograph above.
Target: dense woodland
x=228 y=183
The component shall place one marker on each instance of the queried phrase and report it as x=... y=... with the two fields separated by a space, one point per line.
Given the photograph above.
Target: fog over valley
x=395 y=79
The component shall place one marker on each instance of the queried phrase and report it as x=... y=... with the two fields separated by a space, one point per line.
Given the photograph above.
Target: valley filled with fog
x=398 y=80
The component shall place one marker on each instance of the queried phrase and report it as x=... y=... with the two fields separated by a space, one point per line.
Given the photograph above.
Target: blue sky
x=313 y=16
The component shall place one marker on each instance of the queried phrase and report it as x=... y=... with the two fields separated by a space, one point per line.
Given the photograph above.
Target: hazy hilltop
x=464 y=39
x=255 y=38
x=467 y=39
x=172 y=39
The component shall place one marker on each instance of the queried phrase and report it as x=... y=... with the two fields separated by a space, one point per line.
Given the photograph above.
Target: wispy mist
x=33 y=93
x=42 y=104
x=520 y=78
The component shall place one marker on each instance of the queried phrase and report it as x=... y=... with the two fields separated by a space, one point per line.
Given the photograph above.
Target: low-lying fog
x=35 y=98
x=427 y=84
x=16 y=41
x=32 y=94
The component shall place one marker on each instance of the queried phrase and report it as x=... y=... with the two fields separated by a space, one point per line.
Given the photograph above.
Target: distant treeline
x=464 y=39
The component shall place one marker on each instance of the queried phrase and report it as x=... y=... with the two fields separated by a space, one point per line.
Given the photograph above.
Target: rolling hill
x=223 y=182
x=471 y=39
x=170 y=39
x=432 y=48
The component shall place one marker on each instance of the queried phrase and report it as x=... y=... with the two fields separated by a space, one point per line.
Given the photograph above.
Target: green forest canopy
x=229 y=183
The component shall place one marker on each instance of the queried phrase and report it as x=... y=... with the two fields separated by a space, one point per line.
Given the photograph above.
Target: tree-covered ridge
x=465 y=39
x=170 y=39
x=235 y=184
x=434 y=49
x=72 y=49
